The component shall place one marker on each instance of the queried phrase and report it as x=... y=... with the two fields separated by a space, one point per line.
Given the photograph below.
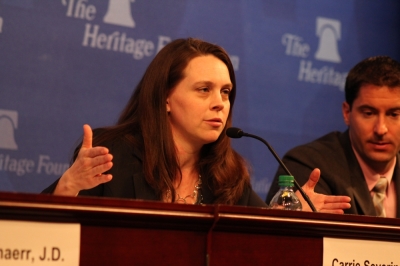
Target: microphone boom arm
x=305 y=196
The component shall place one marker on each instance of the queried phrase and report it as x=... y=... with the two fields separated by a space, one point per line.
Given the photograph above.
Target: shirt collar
x=372 y=177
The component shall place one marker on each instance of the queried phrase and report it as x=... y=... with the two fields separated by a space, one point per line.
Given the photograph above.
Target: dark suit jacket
x=129 y=181
x=340 y=172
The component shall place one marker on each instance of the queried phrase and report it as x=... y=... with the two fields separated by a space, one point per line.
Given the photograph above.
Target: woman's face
x=199 y=105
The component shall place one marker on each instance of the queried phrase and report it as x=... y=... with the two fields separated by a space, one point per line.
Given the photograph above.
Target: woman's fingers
x=87 y=170
x=87 y=137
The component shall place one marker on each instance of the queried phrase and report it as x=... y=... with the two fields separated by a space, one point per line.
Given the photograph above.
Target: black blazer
x=340 y=172
x=129 y=181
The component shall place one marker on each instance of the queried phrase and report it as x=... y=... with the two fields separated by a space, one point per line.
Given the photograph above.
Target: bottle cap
x=286 y=180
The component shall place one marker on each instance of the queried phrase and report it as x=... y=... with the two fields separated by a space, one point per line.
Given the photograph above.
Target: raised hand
x=323 y=203
x=87 y=170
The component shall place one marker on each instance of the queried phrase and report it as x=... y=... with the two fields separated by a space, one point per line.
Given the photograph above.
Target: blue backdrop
x=64 y=63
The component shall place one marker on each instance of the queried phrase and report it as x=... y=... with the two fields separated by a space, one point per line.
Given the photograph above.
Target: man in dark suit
x=366 y=156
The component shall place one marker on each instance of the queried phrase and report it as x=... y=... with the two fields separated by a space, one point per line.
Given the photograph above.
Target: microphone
x=236 y=133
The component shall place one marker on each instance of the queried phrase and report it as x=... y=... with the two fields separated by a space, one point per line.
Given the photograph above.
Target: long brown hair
x=144 y=123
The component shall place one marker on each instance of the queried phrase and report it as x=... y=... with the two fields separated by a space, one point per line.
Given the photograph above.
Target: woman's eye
x=226 y=91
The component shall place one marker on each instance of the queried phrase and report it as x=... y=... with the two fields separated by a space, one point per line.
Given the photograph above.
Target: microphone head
x=234 y=132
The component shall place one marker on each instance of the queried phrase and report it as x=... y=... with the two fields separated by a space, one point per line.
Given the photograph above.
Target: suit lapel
x=362 y=196
x=396 y=180
x=358 y=189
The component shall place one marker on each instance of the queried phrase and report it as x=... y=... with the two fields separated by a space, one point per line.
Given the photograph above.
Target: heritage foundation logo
x=8 y=123
x=22 y=166
x=329 y=33
x=119 y=13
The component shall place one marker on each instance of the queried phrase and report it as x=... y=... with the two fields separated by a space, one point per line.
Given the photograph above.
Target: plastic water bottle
x=285 y=198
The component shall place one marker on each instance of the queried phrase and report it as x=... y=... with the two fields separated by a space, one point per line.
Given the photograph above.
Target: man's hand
x=323 y=203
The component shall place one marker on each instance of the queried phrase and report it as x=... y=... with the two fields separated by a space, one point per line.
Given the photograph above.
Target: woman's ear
x=168 y=107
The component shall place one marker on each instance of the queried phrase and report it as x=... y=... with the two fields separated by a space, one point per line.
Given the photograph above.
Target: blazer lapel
x=207 y=194
x=362 y=196
x=396 y=180
x=142 y=189
x=358 y=189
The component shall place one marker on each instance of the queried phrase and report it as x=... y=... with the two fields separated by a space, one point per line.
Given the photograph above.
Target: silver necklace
x=195 y=195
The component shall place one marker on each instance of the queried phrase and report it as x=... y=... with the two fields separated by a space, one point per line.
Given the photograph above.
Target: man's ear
x=346 y=112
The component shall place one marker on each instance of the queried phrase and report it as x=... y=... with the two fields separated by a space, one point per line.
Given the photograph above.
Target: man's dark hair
x=378 y=71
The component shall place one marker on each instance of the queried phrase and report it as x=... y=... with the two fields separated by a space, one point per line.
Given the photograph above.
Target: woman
x=169 y=143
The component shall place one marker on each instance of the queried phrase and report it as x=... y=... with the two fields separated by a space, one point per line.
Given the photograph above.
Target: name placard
x=30 y=243
x=350 y=252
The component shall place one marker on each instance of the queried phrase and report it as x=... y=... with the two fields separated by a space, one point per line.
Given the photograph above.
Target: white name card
x=37 y=243
x=349 y=252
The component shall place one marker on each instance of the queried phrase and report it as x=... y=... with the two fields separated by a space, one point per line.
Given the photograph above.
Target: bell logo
x=328 y=31
x=8 y=123
x=119 y=13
